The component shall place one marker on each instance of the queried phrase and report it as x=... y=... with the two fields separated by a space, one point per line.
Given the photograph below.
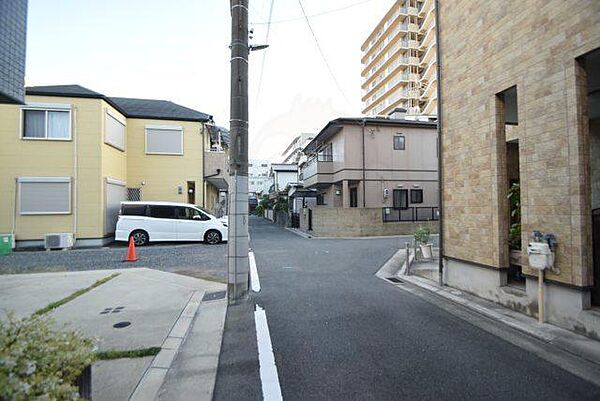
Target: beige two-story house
x=70 y=155
x=385 y=166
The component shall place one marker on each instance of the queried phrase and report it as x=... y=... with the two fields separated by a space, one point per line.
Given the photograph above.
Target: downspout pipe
x=438 y=52
x=364 y=180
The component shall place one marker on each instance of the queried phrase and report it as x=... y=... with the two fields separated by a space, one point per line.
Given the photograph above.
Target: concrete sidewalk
x=157 y=309
x=424 y=274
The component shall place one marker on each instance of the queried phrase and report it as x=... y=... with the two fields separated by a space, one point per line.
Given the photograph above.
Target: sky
x=178 y=50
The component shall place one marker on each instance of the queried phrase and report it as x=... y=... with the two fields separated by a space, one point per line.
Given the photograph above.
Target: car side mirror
x=196 y=217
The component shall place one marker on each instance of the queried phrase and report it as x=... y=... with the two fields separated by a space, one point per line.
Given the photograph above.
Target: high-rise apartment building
x=399 y=61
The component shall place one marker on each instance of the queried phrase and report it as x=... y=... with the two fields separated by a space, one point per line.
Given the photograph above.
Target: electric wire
x=337 y=84
x=264 y=55
x=313 y=15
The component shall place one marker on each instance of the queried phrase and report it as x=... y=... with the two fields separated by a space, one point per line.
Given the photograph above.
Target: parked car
x=147 y=222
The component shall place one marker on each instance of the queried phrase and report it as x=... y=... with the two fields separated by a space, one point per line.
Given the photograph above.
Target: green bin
x=6 y=244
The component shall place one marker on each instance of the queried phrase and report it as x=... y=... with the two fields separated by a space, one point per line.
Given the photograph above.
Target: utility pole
x=237 y=256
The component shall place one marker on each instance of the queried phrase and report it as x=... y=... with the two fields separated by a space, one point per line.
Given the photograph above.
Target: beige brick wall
x=356 y=222
x=485 y=49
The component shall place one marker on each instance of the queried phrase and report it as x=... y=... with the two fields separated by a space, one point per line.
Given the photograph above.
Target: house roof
x=63 y=90
x=129 y=107
x=335 y=126
x=157 y=109
x=284 y=167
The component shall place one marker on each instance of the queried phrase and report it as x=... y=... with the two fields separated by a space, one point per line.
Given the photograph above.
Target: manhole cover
x=395 y=280
x=212 y=296
x=120 y=325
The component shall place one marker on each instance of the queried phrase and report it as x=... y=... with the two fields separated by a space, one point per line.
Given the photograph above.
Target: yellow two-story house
x=70 y=155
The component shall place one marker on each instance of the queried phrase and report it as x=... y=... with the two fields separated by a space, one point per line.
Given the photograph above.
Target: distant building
x=216 y=170
x=259 y=181
x=293 y=153
x=283 y=175
x=399 y=61
x=373 y=176
x=13 y=29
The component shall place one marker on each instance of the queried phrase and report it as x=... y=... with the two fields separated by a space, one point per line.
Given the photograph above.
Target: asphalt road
x=339 y=333
x=192 y=259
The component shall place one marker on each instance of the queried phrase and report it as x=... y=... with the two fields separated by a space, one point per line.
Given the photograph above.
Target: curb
x=545 y=332
x=153 y=378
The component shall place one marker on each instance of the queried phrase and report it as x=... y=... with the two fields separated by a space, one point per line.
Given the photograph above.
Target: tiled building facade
x=13 y=24
x=520 y=105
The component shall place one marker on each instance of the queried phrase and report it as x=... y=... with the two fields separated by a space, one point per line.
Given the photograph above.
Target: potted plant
x=514 y=233
x=422 y=236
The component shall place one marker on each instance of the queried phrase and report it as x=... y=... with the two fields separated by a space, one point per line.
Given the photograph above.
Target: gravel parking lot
x=196 y=260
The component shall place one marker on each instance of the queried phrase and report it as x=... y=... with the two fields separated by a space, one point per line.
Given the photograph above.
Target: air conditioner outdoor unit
x=58 y=241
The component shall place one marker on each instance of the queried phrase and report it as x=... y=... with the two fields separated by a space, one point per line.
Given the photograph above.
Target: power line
x=313 y=15
x=262 y=64
x=322 y=53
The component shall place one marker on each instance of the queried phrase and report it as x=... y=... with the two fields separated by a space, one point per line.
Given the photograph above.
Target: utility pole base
x=237 y=244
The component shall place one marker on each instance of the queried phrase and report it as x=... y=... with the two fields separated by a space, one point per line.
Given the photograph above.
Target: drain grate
x=120 y=325
x=118 y=309
x=395 y=280
x=213 y=296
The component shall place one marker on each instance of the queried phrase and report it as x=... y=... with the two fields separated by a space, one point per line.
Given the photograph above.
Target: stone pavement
x=158 y=309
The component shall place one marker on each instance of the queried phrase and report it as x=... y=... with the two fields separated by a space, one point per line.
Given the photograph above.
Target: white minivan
x=168 y=221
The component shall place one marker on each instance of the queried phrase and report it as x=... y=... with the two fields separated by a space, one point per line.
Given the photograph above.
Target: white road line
x=268 y=370
x=254 y=280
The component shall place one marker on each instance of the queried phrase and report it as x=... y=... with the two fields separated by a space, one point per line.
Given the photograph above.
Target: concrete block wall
x=356 y=222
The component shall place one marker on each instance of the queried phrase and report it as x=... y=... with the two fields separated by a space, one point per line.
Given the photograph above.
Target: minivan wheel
x=212 y=237
x=140 y=237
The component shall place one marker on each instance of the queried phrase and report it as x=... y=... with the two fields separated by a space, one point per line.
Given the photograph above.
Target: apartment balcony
x=430 y=107
x=427 y=21
x=426 y=7
x=428 y=38
x=390 y=89
x=216 y=169
x=429 y=90
x=381 y=60
x=317 y=172
x=400 y=13
x=429 y=74
x=386 y=84
x=429 y=56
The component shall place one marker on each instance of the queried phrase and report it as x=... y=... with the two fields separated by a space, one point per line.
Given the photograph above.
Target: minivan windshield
x=204 y=210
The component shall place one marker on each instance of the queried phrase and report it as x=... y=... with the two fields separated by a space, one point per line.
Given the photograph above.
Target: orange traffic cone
x=131 y=252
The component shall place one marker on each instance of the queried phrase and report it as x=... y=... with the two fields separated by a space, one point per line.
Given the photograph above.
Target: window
x=326 y=154
x=399 y=142
x=164 y=140
x=162 y=212
x=400 y=198
x=47 y=123
x=114 y=132
x=44 y=195
x=133 y=210
x=416 y=196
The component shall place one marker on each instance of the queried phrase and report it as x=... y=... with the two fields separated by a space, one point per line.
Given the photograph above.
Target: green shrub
x=38 y=361
x=422 y=235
